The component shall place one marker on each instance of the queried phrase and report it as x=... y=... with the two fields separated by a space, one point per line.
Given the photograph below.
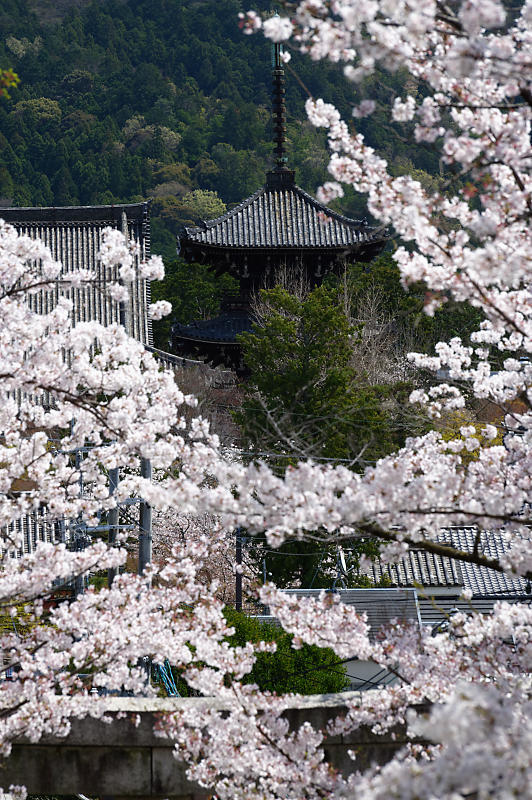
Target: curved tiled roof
x=431 y=570
x=220 y=329
x=482 y=580
x=420 y=567
x=281 y=218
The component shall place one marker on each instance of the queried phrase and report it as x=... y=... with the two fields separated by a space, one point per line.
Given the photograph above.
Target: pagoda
x=279 y=225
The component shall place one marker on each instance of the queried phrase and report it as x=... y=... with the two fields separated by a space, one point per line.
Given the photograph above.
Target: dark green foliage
x=183 y=67
x=195 y=293
x=303 y=398
x=309 y=670
x=201 y=88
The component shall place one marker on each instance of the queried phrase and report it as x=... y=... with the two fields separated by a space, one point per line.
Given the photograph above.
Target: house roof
x=409 y=604
x=422 y=568
x=431 y=570
x=381 y=605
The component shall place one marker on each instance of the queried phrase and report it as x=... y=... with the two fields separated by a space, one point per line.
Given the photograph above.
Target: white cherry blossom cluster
x=160 y=309
x=61 y=392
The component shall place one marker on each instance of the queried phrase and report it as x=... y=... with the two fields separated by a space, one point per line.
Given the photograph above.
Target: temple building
x=73 y=235
x=279 y=225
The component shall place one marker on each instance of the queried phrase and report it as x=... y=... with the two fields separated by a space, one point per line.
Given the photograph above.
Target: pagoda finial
x=279 y=107
x=280 y=177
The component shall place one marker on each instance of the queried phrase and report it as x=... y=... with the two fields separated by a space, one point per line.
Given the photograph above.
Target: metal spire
x=280 y=177
x=279 y=107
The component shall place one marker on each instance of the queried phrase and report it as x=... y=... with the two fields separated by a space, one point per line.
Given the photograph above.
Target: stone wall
x=126 y=759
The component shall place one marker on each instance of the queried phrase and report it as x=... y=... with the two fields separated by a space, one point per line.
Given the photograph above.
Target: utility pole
x=114 y=477
x=145 y=522
x=80 y=534
x=80 y=544
x=238 y=570
x=145 y=548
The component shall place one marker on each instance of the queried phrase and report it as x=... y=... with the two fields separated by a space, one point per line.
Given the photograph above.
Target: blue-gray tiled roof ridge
x=287 y=217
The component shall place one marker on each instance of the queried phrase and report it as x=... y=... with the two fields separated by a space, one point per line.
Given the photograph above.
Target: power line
x=314 y=553
x=292 y=456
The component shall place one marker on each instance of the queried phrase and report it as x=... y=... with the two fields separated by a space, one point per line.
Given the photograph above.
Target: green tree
x=194 y=292
x=43 y=110
x=202 y=204
x=176 y=212
x=308 y=670
x=305 y=397
x=302 y=398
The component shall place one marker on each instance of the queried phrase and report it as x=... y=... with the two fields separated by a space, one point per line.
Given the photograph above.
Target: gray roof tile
x=69 y=214
x=282 y=218
x=431 y=570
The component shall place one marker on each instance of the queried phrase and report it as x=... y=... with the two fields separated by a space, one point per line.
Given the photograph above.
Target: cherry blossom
x=465 y=691
x=403 y=111
x=160 y=309
x=364 y=109
x=278 y=29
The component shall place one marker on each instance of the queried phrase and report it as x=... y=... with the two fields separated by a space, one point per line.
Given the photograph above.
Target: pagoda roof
x=224 y=328
x=281 y=215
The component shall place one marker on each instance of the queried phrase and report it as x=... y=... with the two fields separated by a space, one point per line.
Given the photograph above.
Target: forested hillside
x=124 y=99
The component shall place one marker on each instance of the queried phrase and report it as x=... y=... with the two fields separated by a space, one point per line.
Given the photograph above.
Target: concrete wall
x=125 y=759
